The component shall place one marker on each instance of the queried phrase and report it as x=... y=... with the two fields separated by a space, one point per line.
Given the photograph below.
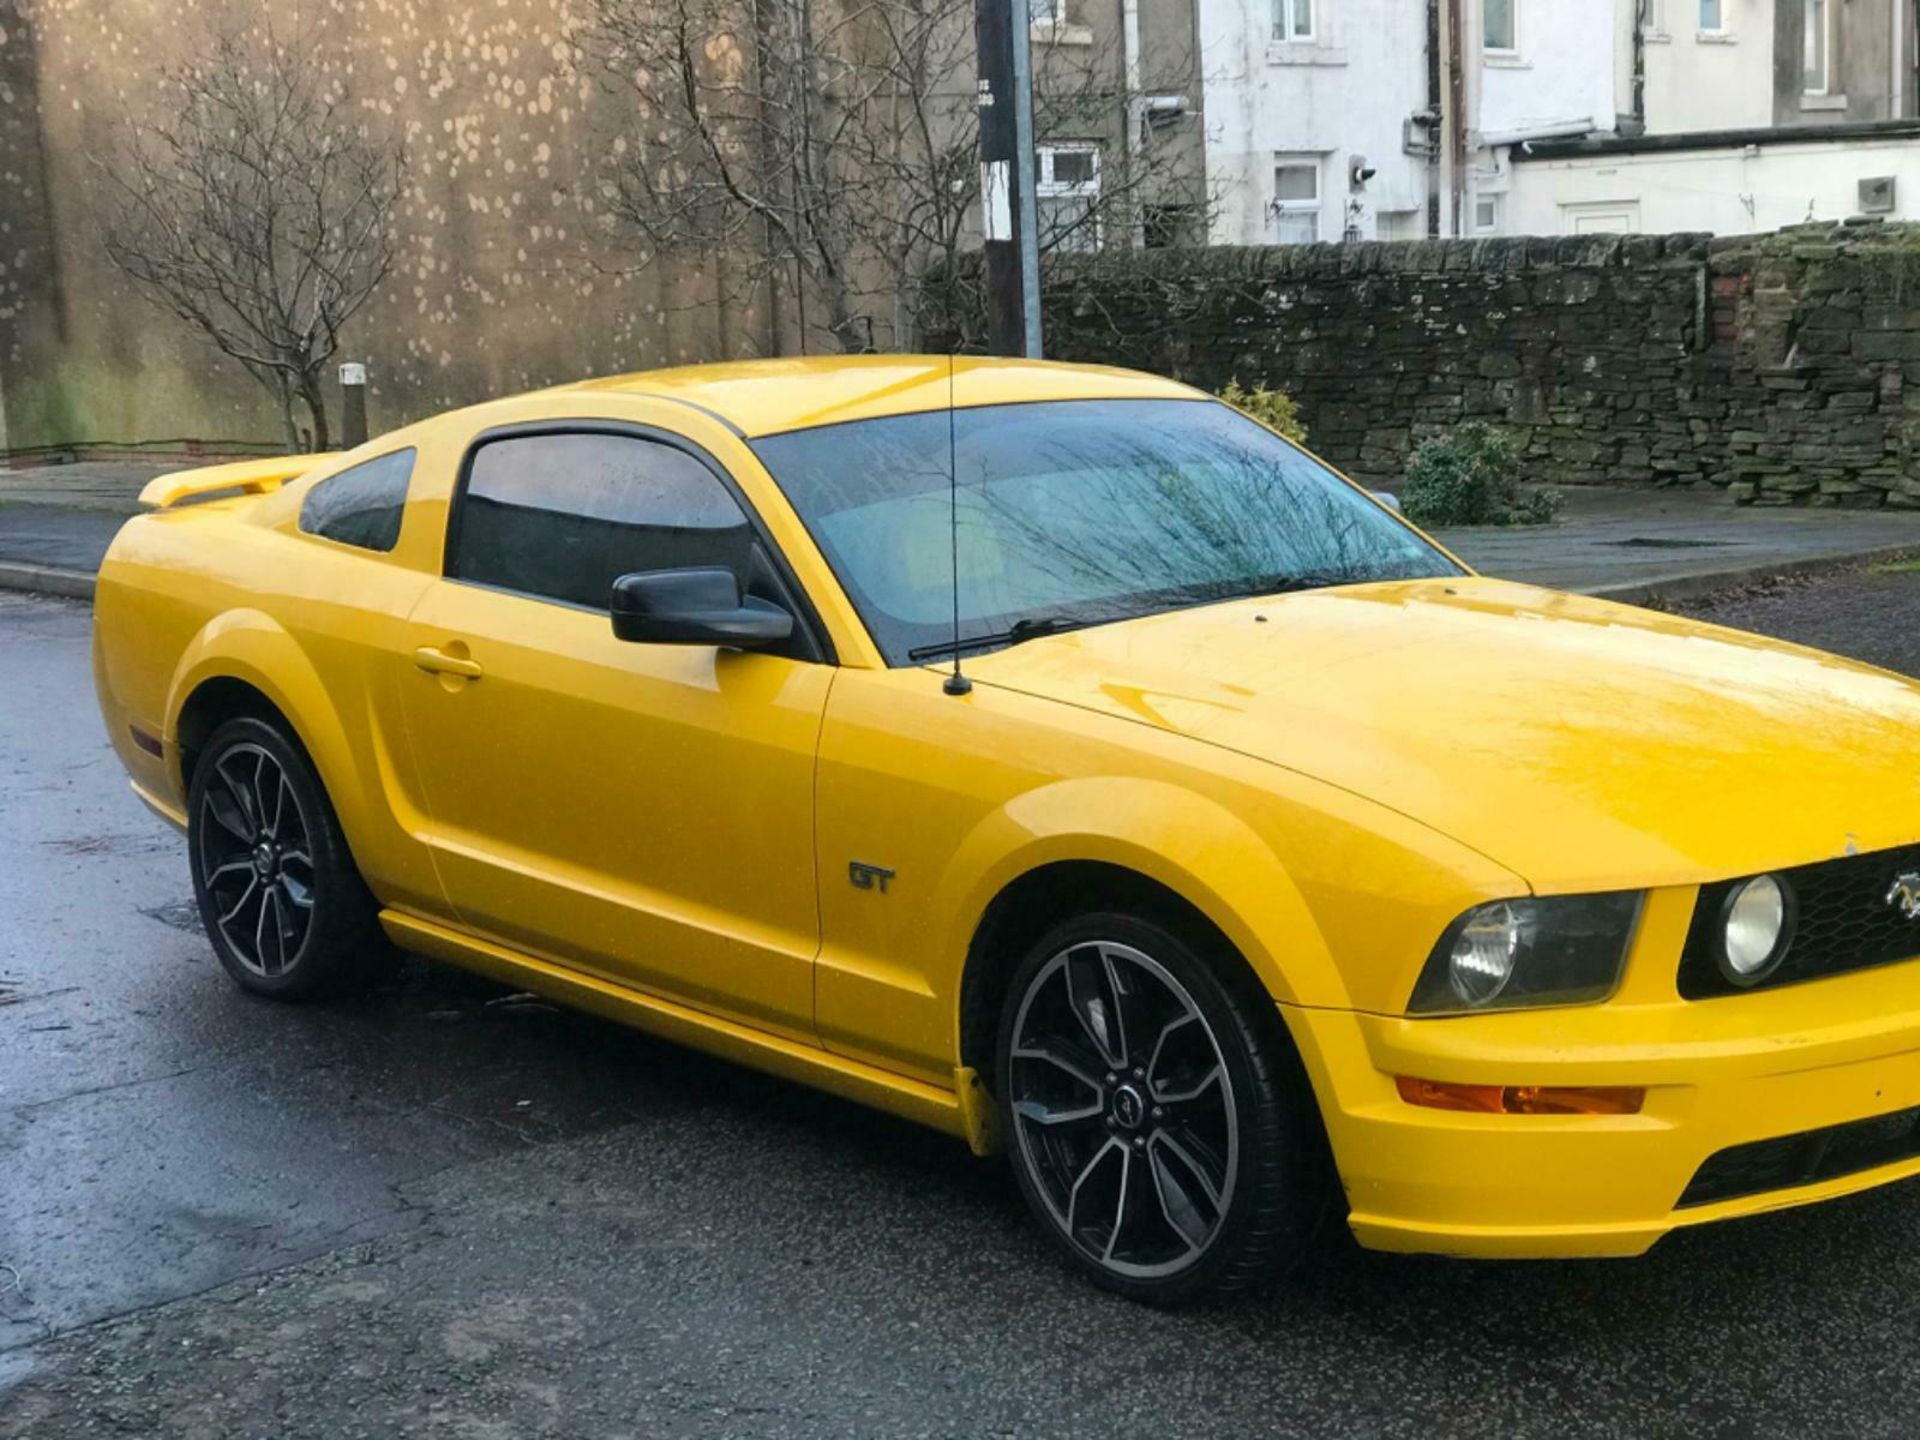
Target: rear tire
x=281 y=900
x=1160 y=1125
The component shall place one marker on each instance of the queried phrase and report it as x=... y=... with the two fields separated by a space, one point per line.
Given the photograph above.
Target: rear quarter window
x=361 y=506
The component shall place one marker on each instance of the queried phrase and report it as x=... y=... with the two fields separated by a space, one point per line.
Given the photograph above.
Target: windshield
x=1074 y=513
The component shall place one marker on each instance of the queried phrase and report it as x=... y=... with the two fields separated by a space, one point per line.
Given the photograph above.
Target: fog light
x=1757 y=927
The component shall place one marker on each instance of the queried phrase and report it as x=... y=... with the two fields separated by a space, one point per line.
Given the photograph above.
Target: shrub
x=1272 y=408
x=1472 y=477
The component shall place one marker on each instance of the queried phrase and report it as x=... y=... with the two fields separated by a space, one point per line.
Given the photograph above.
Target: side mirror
x=1388 y=499
x=694 y=607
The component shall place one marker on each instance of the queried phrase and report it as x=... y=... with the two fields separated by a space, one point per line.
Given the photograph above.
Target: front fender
x=1194 y=846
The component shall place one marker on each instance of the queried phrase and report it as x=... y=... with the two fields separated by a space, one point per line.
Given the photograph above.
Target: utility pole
x=1454 y=119
x=1010 y=248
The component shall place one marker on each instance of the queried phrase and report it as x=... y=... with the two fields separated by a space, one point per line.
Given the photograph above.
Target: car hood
x=1581 y=744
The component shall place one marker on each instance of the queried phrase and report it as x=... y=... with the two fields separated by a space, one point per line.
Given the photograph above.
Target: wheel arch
x=244 y=662
x=214 y=701
x=1166 y=851
x=1037 y=899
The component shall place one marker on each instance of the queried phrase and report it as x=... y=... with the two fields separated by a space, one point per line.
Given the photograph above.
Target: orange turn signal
x=1523 y=1099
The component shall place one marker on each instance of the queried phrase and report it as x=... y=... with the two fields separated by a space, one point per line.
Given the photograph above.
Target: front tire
x=1161 y=1128
x=286 y=910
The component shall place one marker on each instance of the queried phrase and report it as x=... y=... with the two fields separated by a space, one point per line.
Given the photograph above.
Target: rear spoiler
x=253 y=477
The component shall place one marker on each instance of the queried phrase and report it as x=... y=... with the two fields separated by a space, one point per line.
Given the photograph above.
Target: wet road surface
x=65 y=537
x=442 y=1210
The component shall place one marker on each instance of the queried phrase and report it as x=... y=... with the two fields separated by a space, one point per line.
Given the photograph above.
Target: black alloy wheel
x=1165 y=1138
x=256 y=858
x=286 y=910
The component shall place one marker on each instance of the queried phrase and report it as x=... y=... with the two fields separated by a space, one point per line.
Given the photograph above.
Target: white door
x=1605 y=218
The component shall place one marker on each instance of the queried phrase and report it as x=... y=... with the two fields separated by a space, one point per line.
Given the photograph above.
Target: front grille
x=1805 y=1159
x=1845 y=923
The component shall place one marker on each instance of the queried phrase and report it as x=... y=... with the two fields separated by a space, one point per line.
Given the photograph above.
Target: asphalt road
x=439 y=1210
x=66 y=537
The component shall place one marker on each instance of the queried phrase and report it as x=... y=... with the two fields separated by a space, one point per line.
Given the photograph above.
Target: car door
x=642 y=812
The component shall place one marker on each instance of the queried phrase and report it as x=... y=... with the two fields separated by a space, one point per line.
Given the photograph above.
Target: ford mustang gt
x=1057 y=757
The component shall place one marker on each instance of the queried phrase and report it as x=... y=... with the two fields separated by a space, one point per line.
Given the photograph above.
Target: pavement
x=1628 y=544
x=1641 y=544
x=445 y=1210
x=109 y=485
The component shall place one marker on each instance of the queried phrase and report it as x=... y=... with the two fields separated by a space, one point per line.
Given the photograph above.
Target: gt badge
x=875 y=877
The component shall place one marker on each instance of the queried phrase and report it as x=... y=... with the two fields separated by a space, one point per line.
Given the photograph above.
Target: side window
x=361 y=506
x=564 y=516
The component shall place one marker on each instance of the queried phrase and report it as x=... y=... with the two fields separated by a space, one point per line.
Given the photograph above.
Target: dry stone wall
x=1786 y=366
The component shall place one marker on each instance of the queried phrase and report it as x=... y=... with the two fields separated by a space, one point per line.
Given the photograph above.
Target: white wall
x=1726 y=191
x=1564 y=70
x=1346 y=94
x=1698 y=81
x=1564 y=79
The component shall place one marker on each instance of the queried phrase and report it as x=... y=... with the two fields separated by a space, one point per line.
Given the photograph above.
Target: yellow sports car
x=1057 y=757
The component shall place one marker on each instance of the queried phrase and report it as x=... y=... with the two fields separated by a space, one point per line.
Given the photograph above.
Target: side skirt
x=790 y=1060
x=173 y=817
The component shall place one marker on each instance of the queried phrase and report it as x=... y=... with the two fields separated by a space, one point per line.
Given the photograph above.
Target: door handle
x=438 y=662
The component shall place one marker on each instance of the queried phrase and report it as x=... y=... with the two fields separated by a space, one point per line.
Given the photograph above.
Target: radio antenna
x=956 y=683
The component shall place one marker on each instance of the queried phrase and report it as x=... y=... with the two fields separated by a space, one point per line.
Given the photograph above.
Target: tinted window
x=361 y=506
x=1077 y=511
x=564 y=516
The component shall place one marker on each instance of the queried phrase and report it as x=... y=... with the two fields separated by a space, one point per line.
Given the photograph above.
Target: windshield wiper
x=1032 y=627
x=1027 y=627
x=1287 y=584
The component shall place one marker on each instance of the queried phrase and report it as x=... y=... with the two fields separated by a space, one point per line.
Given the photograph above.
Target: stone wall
x=1786 y=366
x=1816 y=350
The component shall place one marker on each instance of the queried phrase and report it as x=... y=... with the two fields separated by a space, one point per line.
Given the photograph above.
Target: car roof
x=767 y=397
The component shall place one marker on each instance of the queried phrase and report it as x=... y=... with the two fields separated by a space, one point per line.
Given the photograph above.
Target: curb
x=46 y=580
x=1712 y=582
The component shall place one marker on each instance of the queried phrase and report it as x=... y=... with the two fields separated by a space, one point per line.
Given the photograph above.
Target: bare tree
x=259 y=210
x=827 y=149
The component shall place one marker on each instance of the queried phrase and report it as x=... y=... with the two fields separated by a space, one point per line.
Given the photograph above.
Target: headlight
x=1480 y=960
x=1560 y=950
x=1756 y=928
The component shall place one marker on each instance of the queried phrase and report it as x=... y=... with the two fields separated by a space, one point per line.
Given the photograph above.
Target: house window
x=1500 y=31
x=1486 y=214
x=1713 y=17
x=1296 y=200
x=1067 y=191
x=1293 y=19
x=1817 y=50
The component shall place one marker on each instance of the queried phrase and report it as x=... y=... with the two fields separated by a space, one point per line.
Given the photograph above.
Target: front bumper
x=1719 y=1073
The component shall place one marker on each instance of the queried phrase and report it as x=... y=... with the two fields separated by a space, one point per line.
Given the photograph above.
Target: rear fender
x=250 y=646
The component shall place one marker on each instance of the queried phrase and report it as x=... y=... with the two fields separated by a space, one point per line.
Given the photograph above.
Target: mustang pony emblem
x=1904 y=895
